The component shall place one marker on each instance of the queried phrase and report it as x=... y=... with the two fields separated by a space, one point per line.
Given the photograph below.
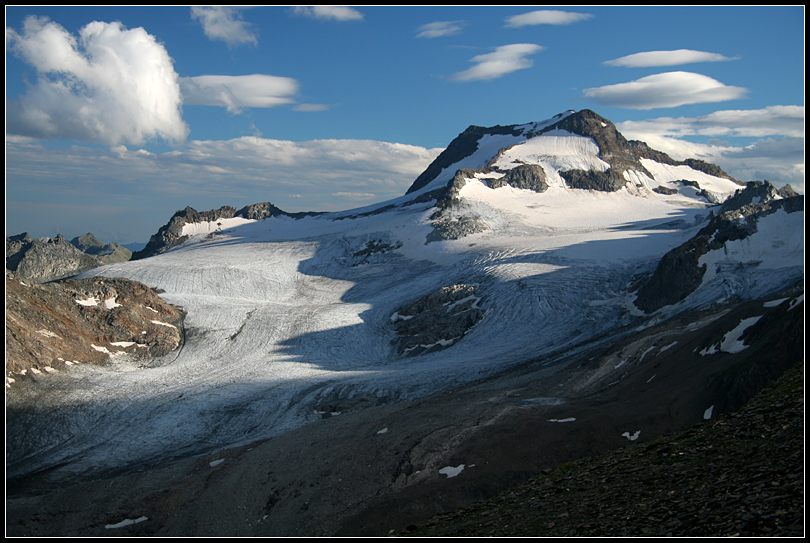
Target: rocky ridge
x=43 y=260
x=171 y=234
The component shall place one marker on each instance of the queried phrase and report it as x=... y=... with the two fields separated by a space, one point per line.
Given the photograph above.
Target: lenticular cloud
x=111 y=85
x=670 y=89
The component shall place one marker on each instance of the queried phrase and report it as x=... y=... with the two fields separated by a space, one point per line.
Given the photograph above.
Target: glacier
x=283 y=317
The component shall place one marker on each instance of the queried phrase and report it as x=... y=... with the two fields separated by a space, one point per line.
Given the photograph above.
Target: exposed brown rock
x=51 y=326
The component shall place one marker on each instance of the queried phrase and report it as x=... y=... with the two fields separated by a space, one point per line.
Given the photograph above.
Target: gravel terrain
x=739 y=475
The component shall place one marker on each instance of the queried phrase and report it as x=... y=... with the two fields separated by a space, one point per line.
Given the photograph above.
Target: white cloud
x=237 y=92
x=223 y=23
x=671 y=89
x=335 y=13
x=504 y=60
x=666 y=58
x=439 y=29
x=546 y=17
x=354 y=195
x=110 y=85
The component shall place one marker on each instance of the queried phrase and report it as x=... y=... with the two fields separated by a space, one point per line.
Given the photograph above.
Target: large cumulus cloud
x=110 y=85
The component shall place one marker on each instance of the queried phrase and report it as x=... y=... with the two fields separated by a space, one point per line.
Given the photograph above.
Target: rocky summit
x=543 y=294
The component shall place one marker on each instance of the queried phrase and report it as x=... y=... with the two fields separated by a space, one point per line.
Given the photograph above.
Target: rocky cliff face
x=679 y=273
x=56 y=258
x=55 y=325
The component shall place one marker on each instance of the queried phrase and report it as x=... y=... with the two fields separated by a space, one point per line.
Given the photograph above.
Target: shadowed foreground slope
x=739 y=475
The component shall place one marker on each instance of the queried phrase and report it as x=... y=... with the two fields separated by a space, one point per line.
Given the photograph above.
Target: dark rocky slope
x=739 y=475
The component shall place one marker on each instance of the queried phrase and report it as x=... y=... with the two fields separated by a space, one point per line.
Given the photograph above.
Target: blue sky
x=116 y=117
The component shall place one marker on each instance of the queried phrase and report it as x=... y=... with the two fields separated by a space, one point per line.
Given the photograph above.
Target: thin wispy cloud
x=333 y=13
x=651 y=59
x=309 y=108
x=769 y=121
x=224 y=23
x=504 y=60
x=546 y=17
x=439 y=29
x=671 y=89
x=238 y=92
x=107 y=85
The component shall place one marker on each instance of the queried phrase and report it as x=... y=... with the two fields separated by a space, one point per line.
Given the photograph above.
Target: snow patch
x=208 y=227
x=570 y=419
x=732 y=342
x=557 y=150
x=110 y=303
x=452 y=471
x=632 y=437
x=126 y=522
x=164 y=324
x=87 y=302
x=668 y=347
x=708 y=413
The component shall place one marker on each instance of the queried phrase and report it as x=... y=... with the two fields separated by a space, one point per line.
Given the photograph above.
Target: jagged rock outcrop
x=526 y=176
x=55 y=325
x=620 y=153
x=679 y=272
x=438 y=320
x=171 y=234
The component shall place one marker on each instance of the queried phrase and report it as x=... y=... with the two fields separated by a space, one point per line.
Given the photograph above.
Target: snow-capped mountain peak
x=574 y=150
